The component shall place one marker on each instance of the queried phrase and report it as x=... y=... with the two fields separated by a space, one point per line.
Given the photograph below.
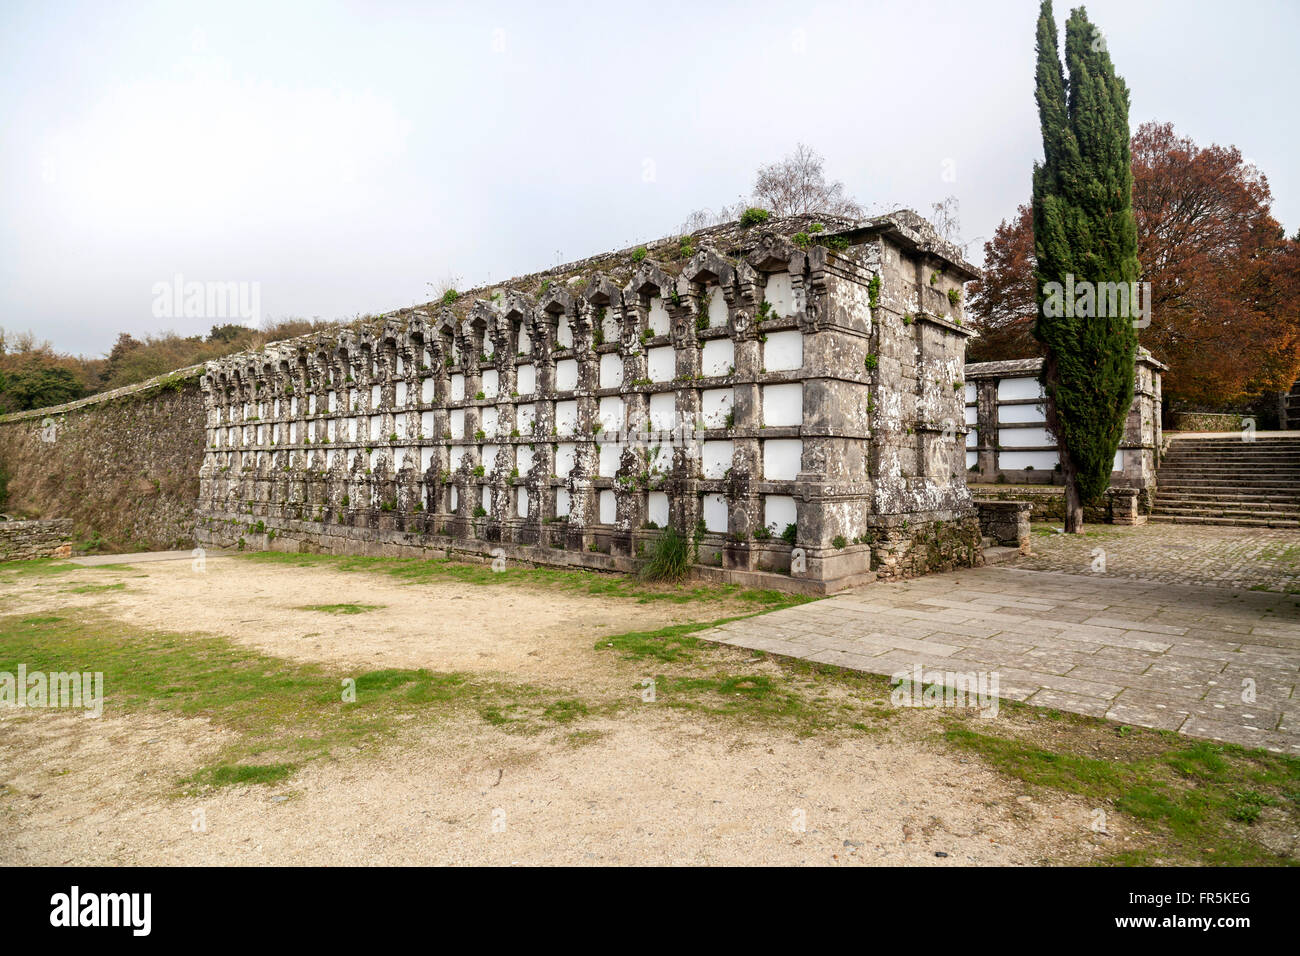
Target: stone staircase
x=1224 y=480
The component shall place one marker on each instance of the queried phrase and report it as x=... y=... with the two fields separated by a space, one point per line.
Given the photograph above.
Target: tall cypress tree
x=1084 y=232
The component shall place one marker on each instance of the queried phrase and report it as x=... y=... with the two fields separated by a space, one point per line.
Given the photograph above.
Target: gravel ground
x=651 y=786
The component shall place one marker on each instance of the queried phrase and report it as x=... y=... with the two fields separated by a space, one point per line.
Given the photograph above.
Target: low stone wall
x=27 y=540
x=1006 y=522
x=1207 y=422
x=1047 y=503
x=123 y=466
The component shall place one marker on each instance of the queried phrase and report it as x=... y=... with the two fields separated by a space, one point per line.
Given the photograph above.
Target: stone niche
x=788 y=396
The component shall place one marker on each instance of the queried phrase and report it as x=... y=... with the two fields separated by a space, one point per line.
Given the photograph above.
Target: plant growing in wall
x=753 y=216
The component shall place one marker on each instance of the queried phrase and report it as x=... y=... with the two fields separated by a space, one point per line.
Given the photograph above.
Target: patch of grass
x=93 y=588
x=596 y=583
x=565 y=711
x=340 y=608
x=38 y=567
x=221 y=775
x=1197 y=797
x=672 y=643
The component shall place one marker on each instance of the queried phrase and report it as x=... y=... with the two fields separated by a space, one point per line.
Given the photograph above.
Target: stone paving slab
x=1207 y=662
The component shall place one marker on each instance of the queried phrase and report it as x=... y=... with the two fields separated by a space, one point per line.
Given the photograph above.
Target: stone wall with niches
x=784 y=394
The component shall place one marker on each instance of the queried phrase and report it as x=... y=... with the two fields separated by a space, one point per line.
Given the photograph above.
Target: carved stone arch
x=484 y=319
x=648 y=275
x=602 y=290
x=648 y=281
x=444 y=337
x=776 y=253
x=706 y=267
x=603 y=295
x=559 y=307
x=417 y=346
x=518 y=311
x=366 y=352
x=557 y=300
x=321 y=358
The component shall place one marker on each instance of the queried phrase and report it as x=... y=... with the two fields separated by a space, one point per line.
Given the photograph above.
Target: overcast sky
x=345 y=155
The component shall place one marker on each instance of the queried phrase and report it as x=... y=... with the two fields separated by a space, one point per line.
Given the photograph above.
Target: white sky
x=344 y=155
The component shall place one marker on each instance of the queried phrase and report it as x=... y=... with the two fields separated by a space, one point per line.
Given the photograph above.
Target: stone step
x=1282 y=458
x=1256 y=486
x=1249 y=504
x=1283 y=501
x=1230 y=474
x=1236 y=522
x=1289 y=517
x=1271 y=460
x=1230 y=461
x=1229 y=438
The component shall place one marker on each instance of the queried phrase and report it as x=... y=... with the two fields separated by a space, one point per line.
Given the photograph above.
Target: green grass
x=93 y=588
x=37 y=568
x=421 y=570
x=701 y=677
x=1199 y=798
x=340 y=608
x=282 y=714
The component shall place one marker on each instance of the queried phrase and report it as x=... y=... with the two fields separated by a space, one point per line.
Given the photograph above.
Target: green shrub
x=753 y=216
x=669 y=560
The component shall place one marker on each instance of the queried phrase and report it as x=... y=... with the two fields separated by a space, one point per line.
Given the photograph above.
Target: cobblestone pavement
x=1168 y=656
x=1218 y=556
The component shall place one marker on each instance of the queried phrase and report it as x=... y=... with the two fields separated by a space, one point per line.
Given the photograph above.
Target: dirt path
x=650 y=786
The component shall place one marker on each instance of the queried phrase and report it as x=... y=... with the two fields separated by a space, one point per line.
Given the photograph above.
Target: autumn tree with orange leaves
x=1225 y=279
